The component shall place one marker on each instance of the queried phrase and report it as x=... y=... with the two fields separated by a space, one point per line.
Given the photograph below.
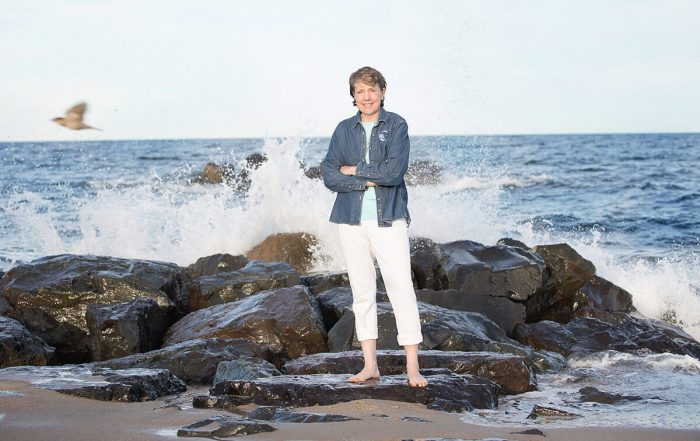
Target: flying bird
x=74 y=118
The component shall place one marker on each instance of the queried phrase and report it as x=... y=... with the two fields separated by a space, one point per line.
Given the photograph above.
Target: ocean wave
x=608 y=359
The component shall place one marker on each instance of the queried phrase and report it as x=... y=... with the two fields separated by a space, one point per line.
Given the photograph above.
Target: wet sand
x=29 y=413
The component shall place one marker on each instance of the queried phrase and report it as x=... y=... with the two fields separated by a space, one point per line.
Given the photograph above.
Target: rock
x=244 y=368
x=591 y=394
x=443 y=329
x=602 y=294
x=225 y=287
x=507 y=241
x=313 y=172
x=102 y=384
x=334 y=302
x=51 y=295
x=530 y=432
x=595 y=330
x=319 y=282
x=567 y=273
x=217 y=263
x=230 y=403
x=423 y=173
x=510 y=372
x=449 y=392
x=19 y=347
x=282 y=415
x=255 y=160
x=296 y=249
x=195 y=361
x=476 y=269
x=126 y=328
x=285 y=319
x=501 y=310
x=221 y=426
x=541 y=411
x=216 y=174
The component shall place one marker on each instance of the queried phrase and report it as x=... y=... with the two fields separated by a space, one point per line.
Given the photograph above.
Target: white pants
x=390 y=246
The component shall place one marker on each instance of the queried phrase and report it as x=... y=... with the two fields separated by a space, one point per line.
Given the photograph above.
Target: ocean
x=627 y=202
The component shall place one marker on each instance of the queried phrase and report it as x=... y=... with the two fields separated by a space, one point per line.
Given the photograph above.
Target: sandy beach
x=30 y=413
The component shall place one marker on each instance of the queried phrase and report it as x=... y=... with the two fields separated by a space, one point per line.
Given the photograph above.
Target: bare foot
x=364 y=375
x=415 y=379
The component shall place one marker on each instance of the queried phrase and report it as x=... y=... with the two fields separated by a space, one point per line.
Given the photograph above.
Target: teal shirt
x=369 y=199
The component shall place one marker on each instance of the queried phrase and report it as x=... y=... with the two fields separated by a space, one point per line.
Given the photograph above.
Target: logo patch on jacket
x=383 y=135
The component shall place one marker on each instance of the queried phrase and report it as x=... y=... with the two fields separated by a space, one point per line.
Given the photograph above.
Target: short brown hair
x=368 y=75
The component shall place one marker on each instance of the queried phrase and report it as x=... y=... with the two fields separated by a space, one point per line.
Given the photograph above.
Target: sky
x=155 y=69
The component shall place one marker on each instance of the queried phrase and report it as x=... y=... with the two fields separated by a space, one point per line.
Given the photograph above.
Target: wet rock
x=319 y=282
x=296 y=249
x=451 y=392
x=244 y=368
x=102 y=384
x=221 y=402
x=334 y=303
x=541 y=411
x=602 y=294
x=195 y=361
x=510 y=372
x=216 y=174
x=285 y=319
x=220 y=426
x=530 y=432
x=423 y=173
x=19 y=347
x=217 y=263
x=507 y=241
x=476 y=269
x=282 y=415
x=225 y=287
x=126 y=328
x=595 y=330
x=443 y=329
x=567 y=272
x=313 y=172
x=591 y=394
x=501 y=310
x=51 y=295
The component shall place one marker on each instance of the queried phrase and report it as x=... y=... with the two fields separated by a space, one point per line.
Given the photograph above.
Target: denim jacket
x=388 y=161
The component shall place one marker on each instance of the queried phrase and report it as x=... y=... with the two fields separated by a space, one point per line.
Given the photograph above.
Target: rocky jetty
x=260 y=330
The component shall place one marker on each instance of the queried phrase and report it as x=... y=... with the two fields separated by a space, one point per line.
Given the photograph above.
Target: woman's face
x=368 y=98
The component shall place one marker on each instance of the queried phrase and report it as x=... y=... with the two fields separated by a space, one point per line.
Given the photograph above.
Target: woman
x=365 y=164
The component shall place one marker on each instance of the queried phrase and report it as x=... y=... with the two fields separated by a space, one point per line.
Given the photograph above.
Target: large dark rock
x=501 y=310
x=225 y=287
x=216 y=263
x=213 y=173
x=445 y=391
x=296 y=249
x=244 y=368
x=595 y=330
x=101 y=384
x=444 y=330
x=510 y=372
x=51 y=295
x=476 y=269
x=567 y=272
x=195 y=361
x=224 y=426
x=319 y=282
x=282 y=415
x=19 y=347
x=605 y=295
x=126 y=328
x=285 y=319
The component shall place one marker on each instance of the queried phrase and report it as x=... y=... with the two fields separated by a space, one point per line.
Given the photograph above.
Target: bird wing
x=76 y=112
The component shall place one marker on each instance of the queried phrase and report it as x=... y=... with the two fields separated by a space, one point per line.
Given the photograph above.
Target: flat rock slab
x=510 y=372
x=283 y=415
x=223 y=427
x=101 y=384
x=445 y=391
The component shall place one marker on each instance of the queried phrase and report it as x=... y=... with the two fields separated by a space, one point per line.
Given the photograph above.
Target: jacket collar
x=383 y=115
